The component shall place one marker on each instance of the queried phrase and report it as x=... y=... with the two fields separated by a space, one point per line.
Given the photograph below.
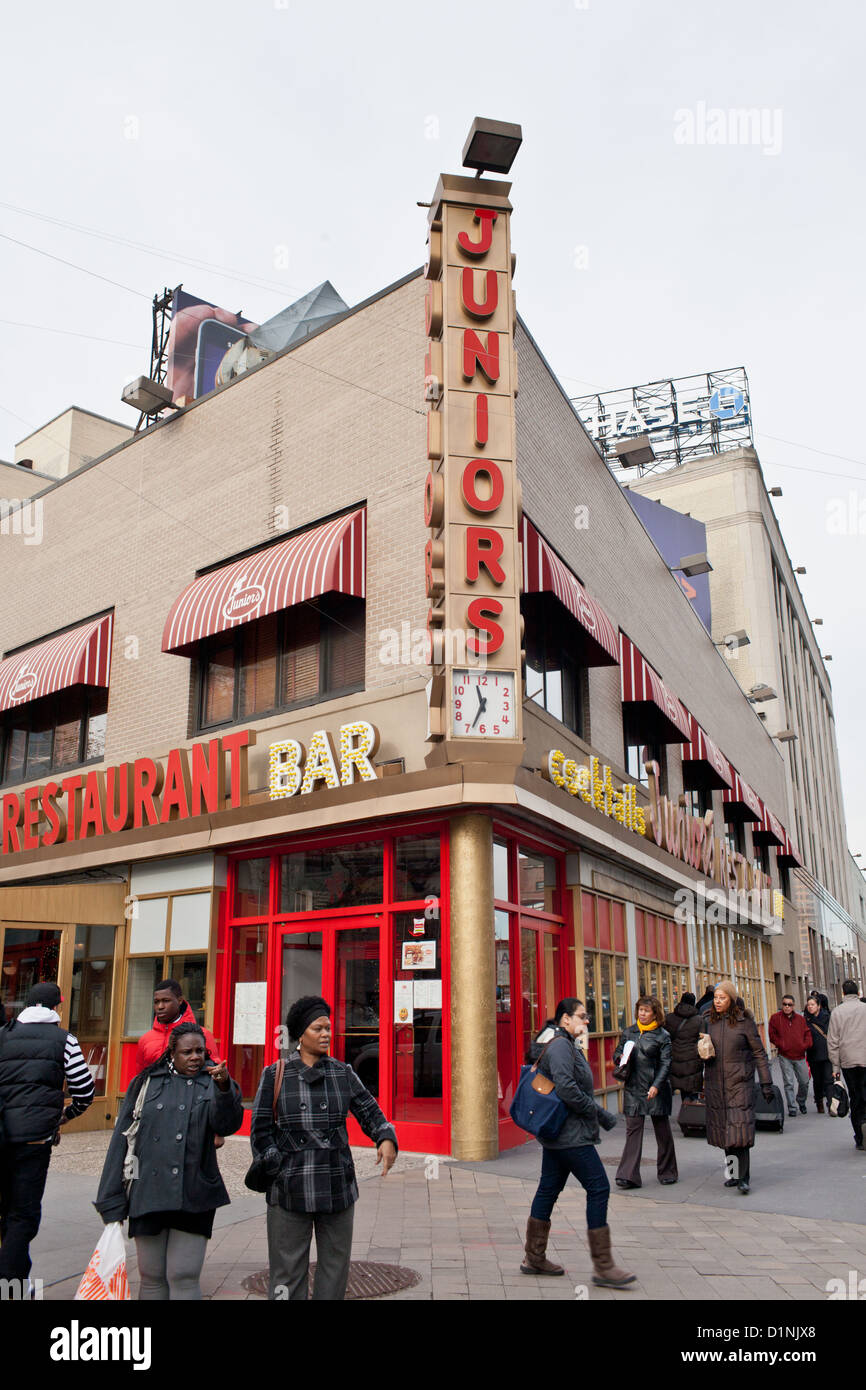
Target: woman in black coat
x=176 y=1188
x=647 y=1092
x=729 y=1080
x=685 y=1026
x=818 y=1057
x=572 y=1152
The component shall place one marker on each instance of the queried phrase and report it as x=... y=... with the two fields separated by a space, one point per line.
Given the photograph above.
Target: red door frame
x=518 y=837
x=420 y=1137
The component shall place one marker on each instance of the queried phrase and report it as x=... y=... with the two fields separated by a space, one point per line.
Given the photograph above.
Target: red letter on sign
x=476 y=615
x=237 y=745
x=118 y=794
x=484 y=547
x=482 y=428
x=91 y=809
x=486 y=216
x=475 y=356
x=469 y=485
x=11 y=817
x=208 y=778
x=176 y=796
x=467 y=293
x=31 y=817
x=71 y=787
x=56 y=820
x=147 y=783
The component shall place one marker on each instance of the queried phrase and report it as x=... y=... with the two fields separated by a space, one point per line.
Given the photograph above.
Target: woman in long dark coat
x=729 y=1080
x=685 y=1026
x=647 y=1092
x=818 y=1056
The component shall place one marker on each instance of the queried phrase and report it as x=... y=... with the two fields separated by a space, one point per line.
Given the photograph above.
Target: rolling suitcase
x=769 y=1114
x=692 y=1118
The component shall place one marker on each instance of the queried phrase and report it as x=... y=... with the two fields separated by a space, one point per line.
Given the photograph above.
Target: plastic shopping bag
x=105 y=1276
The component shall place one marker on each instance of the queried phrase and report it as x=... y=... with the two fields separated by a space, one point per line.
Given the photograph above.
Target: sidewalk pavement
x=461 y=1226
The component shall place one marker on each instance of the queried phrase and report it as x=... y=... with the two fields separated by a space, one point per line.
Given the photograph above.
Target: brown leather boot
x=820 y=1105
x=606 y=1272
x=536 y=1261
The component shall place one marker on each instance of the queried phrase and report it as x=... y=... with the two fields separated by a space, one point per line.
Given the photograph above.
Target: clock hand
x=482 y=705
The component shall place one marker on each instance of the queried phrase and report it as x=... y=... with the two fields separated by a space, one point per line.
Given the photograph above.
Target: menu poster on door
x=418 y=955
x=250 y=1010
x=428 y=994
x=403 y=1010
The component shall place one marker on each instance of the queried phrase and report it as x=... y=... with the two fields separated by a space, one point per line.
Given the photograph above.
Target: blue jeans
x=587 y=1167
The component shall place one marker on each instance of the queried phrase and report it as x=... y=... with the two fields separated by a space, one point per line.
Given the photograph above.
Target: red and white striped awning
x=703 y=758
x=79 y=657
x=545 y=573
x=642 y=687
x=770 y=830
x=743 y=802
x=789 y=853
x=328 y=558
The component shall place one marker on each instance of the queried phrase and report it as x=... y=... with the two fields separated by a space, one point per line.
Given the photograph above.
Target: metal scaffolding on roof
x=679 y=418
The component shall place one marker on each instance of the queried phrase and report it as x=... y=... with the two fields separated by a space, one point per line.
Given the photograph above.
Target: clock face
x=482 y=704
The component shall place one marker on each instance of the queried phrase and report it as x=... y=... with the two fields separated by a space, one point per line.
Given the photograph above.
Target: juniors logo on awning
x=23 y=687
x=243 y=600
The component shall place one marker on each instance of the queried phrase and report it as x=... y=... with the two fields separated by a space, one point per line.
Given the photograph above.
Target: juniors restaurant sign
x=202 y=780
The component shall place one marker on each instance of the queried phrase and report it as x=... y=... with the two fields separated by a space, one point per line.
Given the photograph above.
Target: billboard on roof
x=677 y=536
x=200 y=335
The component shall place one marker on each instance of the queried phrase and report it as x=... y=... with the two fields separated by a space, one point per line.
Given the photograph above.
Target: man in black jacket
x=38 y=1059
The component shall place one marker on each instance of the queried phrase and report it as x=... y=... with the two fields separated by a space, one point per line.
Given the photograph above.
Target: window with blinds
x=308 y=653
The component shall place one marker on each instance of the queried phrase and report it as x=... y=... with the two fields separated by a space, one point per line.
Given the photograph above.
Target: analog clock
x=482 y=704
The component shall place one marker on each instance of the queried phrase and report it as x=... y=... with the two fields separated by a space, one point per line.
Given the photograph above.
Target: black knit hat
x=47 y=995
x=303 y=1011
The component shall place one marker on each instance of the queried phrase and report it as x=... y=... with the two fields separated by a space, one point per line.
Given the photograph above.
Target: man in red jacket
x=170 y=1008
x=790 y=1035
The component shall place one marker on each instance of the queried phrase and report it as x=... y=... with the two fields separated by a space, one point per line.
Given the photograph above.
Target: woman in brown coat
x=729 y=1080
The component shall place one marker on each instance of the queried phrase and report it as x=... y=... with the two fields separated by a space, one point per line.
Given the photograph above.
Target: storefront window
x=90 y=1002
x=191 y=974
x=500 y=871
x=252 y=888
x=417 y=1018
x=530 y=1013
x=537 y=879
x=347 y=876
x=503 y=963
x=142 y=977
x=30 y=957
x=356 y=1017
x=416 y=867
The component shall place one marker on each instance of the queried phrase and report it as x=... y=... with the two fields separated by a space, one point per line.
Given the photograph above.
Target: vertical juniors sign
x=472 y=568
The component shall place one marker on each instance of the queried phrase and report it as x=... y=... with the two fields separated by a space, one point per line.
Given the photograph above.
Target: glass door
x=417 y=1018
x=356 y=1003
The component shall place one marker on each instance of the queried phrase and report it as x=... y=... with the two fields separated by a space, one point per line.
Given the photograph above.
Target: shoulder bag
x=257 y=1178
x=536 y=1107
x=130 y=1163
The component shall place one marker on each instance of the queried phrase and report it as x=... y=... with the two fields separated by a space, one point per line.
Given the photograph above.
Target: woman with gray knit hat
x=729 y=1080
x=302 y=1141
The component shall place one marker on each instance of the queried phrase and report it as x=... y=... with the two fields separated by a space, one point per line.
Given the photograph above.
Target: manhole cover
x=366 y=1280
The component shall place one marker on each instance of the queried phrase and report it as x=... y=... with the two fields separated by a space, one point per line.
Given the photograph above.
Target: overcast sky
x=283 y=142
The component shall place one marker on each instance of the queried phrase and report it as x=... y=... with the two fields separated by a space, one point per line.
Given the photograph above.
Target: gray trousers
x=792 y=1071
x=289 y=1236
x=170 y=1266
x=666 y=1159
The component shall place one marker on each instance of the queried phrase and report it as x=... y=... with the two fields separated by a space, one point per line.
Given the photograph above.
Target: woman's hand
x=652 y=1092
x=220 y=1074
x=386 y=1156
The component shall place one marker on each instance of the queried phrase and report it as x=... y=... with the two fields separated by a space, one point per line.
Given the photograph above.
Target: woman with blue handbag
x=572 y=1150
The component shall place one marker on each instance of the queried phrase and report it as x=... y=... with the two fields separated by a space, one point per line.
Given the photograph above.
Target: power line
x=69 y=333
x=39 y=252
x=257 y=282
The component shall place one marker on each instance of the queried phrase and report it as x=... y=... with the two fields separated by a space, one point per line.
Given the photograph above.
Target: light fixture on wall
x=690 y=565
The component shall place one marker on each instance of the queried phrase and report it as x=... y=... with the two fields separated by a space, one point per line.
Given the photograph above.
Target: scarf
x=647 y=1027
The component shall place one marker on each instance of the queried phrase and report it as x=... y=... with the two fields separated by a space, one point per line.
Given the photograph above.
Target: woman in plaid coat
x=313 y=1184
